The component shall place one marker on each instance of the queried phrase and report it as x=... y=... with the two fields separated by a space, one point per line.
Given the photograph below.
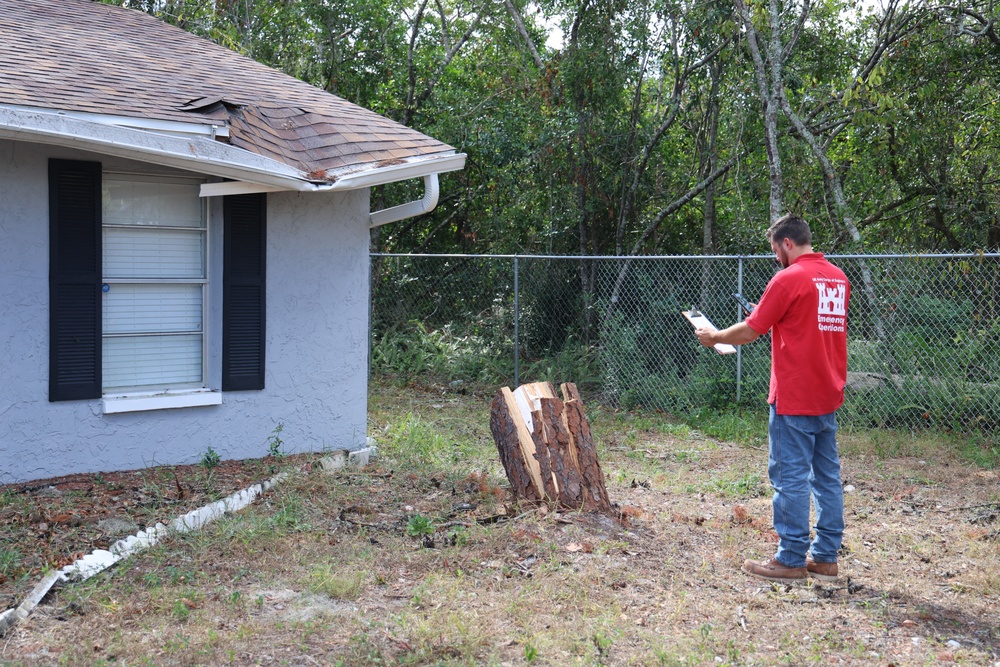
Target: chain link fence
x=923 y=330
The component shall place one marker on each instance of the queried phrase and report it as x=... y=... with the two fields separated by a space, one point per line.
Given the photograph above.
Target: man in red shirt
x=805 y=309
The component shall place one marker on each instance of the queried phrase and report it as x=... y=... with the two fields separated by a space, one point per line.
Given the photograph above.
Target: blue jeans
x=803 y=463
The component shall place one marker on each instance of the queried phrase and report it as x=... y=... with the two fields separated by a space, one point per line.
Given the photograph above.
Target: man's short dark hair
x=790 y=227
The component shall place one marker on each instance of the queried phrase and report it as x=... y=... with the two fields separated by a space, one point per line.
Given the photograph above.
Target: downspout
x=410 y=209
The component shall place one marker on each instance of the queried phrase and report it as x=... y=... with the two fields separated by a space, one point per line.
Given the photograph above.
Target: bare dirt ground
x=422 y=559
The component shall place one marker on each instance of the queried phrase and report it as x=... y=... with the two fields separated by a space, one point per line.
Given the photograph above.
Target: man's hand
x=738 y=334
x=706 y=336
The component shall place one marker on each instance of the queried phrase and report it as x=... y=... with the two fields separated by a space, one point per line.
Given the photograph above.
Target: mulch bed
x=49 y=523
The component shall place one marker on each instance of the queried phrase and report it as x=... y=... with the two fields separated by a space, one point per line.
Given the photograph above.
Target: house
x=183 y=246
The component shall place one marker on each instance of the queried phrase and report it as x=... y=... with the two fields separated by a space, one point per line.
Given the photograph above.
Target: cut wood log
x=546 y=447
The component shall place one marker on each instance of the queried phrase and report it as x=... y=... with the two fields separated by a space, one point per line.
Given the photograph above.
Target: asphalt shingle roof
x=78 y=55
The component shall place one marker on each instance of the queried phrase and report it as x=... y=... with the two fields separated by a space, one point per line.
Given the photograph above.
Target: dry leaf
x=631 y=512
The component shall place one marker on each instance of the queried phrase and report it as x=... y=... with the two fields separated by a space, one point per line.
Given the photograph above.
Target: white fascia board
x=354 y=179
x=211 y=130
x=198 y=154
x=416 y=168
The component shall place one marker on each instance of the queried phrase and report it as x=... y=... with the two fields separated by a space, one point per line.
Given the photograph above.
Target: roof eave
x=202 y=155
x=356 y=178
x=249 y=172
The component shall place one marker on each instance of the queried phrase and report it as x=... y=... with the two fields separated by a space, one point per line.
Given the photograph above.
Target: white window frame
x=186 y=394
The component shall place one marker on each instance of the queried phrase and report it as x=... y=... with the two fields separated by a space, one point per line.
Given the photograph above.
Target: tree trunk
x=546 y=447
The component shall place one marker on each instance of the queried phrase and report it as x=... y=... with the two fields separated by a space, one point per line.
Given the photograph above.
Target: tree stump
x=546 y=447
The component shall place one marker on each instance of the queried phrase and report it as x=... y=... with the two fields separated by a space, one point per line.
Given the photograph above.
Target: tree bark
x=546 y=447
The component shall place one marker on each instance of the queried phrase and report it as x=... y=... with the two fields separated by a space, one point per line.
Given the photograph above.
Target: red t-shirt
x=805 y=309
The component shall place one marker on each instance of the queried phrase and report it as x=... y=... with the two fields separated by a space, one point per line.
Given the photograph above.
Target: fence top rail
x=929 y=255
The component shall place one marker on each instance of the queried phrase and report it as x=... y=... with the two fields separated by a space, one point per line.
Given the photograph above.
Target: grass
x=334 y=569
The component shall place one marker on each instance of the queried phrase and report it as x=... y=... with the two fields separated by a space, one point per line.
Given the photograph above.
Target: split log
x=546 y=447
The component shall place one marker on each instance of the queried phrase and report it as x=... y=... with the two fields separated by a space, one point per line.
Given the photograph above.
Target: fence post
x=739 y=314
x=517 y=319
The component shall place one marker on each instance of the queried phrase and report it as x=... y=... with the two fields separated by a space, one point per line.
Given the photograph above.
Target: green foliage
x=574 y=362
x=740 y=425
x=458 y=536
x=742 y=486
x=530 y=653
x=419 y=525
x=180 y=610
x=10 y=563
x=210 y=459
x=290 y=515
x=336 y=583
x=578 y=147
x=649 y=356
x=443 y=354
x=937 y=366
x=593 y=147
x=274 y=442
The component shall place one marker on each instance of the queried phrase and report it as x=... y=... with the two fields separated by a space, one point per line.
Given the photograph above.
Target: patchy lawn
x=422 y=559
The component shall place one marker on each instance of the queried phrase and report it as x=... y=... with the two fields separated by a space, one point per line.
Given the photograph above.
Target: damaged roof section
x=82 y=56
x=320 y=144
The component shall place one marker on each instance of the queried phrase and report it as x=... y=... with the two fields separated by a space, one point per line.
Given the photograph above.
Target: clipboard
x=698 y=321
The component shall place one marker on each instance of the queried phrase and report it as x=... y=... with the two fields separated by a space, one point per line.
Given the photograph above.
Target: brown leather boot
x=773 y=570
x=824 y=571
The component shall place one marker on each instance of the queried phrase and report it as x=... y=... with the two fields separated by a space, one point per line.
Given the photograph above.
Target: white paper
x=699 y=321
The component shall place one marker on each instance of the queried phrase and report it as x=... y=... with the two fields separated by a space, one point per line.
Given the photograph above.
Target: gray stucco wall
x=317 y=347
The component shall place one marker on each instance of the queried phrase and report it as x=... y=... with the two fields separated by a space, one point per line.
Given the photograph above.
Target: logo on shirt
x=832 y=308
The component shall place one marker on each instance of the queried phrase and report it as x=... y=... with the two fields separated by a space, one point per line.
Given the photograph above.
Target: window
x=154 y=251
x=128 y=284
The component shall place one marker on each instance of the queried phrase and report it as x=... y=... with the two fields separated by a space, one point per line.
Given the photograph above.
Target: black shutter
x=74 y=280
x=243 y=286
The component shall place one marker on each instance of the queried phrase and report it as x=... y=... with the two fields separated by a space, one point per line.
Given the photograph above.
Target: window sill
x=190 y=398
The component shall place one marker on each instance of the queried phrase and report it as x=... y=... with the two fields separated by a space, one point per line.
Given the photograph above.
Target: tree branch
x=681 y=201
x=519 y=23
x=413 y=104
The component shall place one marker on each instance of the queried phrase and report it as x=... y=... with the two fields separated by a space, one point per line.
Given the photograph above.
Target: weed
x=743 y=426
x=336 y=583
x=177 y=644
x=274 y=442
x=747 y=485
x=458 y=536
x=290 y=515
x=210 y=459
x=530 y=653
x=10 y=562
x=686 y=456
x=419 y=525
x=601 y=642
x=180 y=610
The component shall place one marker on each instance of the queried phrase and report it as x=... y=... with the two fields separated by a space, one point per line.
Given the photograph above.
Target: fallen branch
x=968 y=507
